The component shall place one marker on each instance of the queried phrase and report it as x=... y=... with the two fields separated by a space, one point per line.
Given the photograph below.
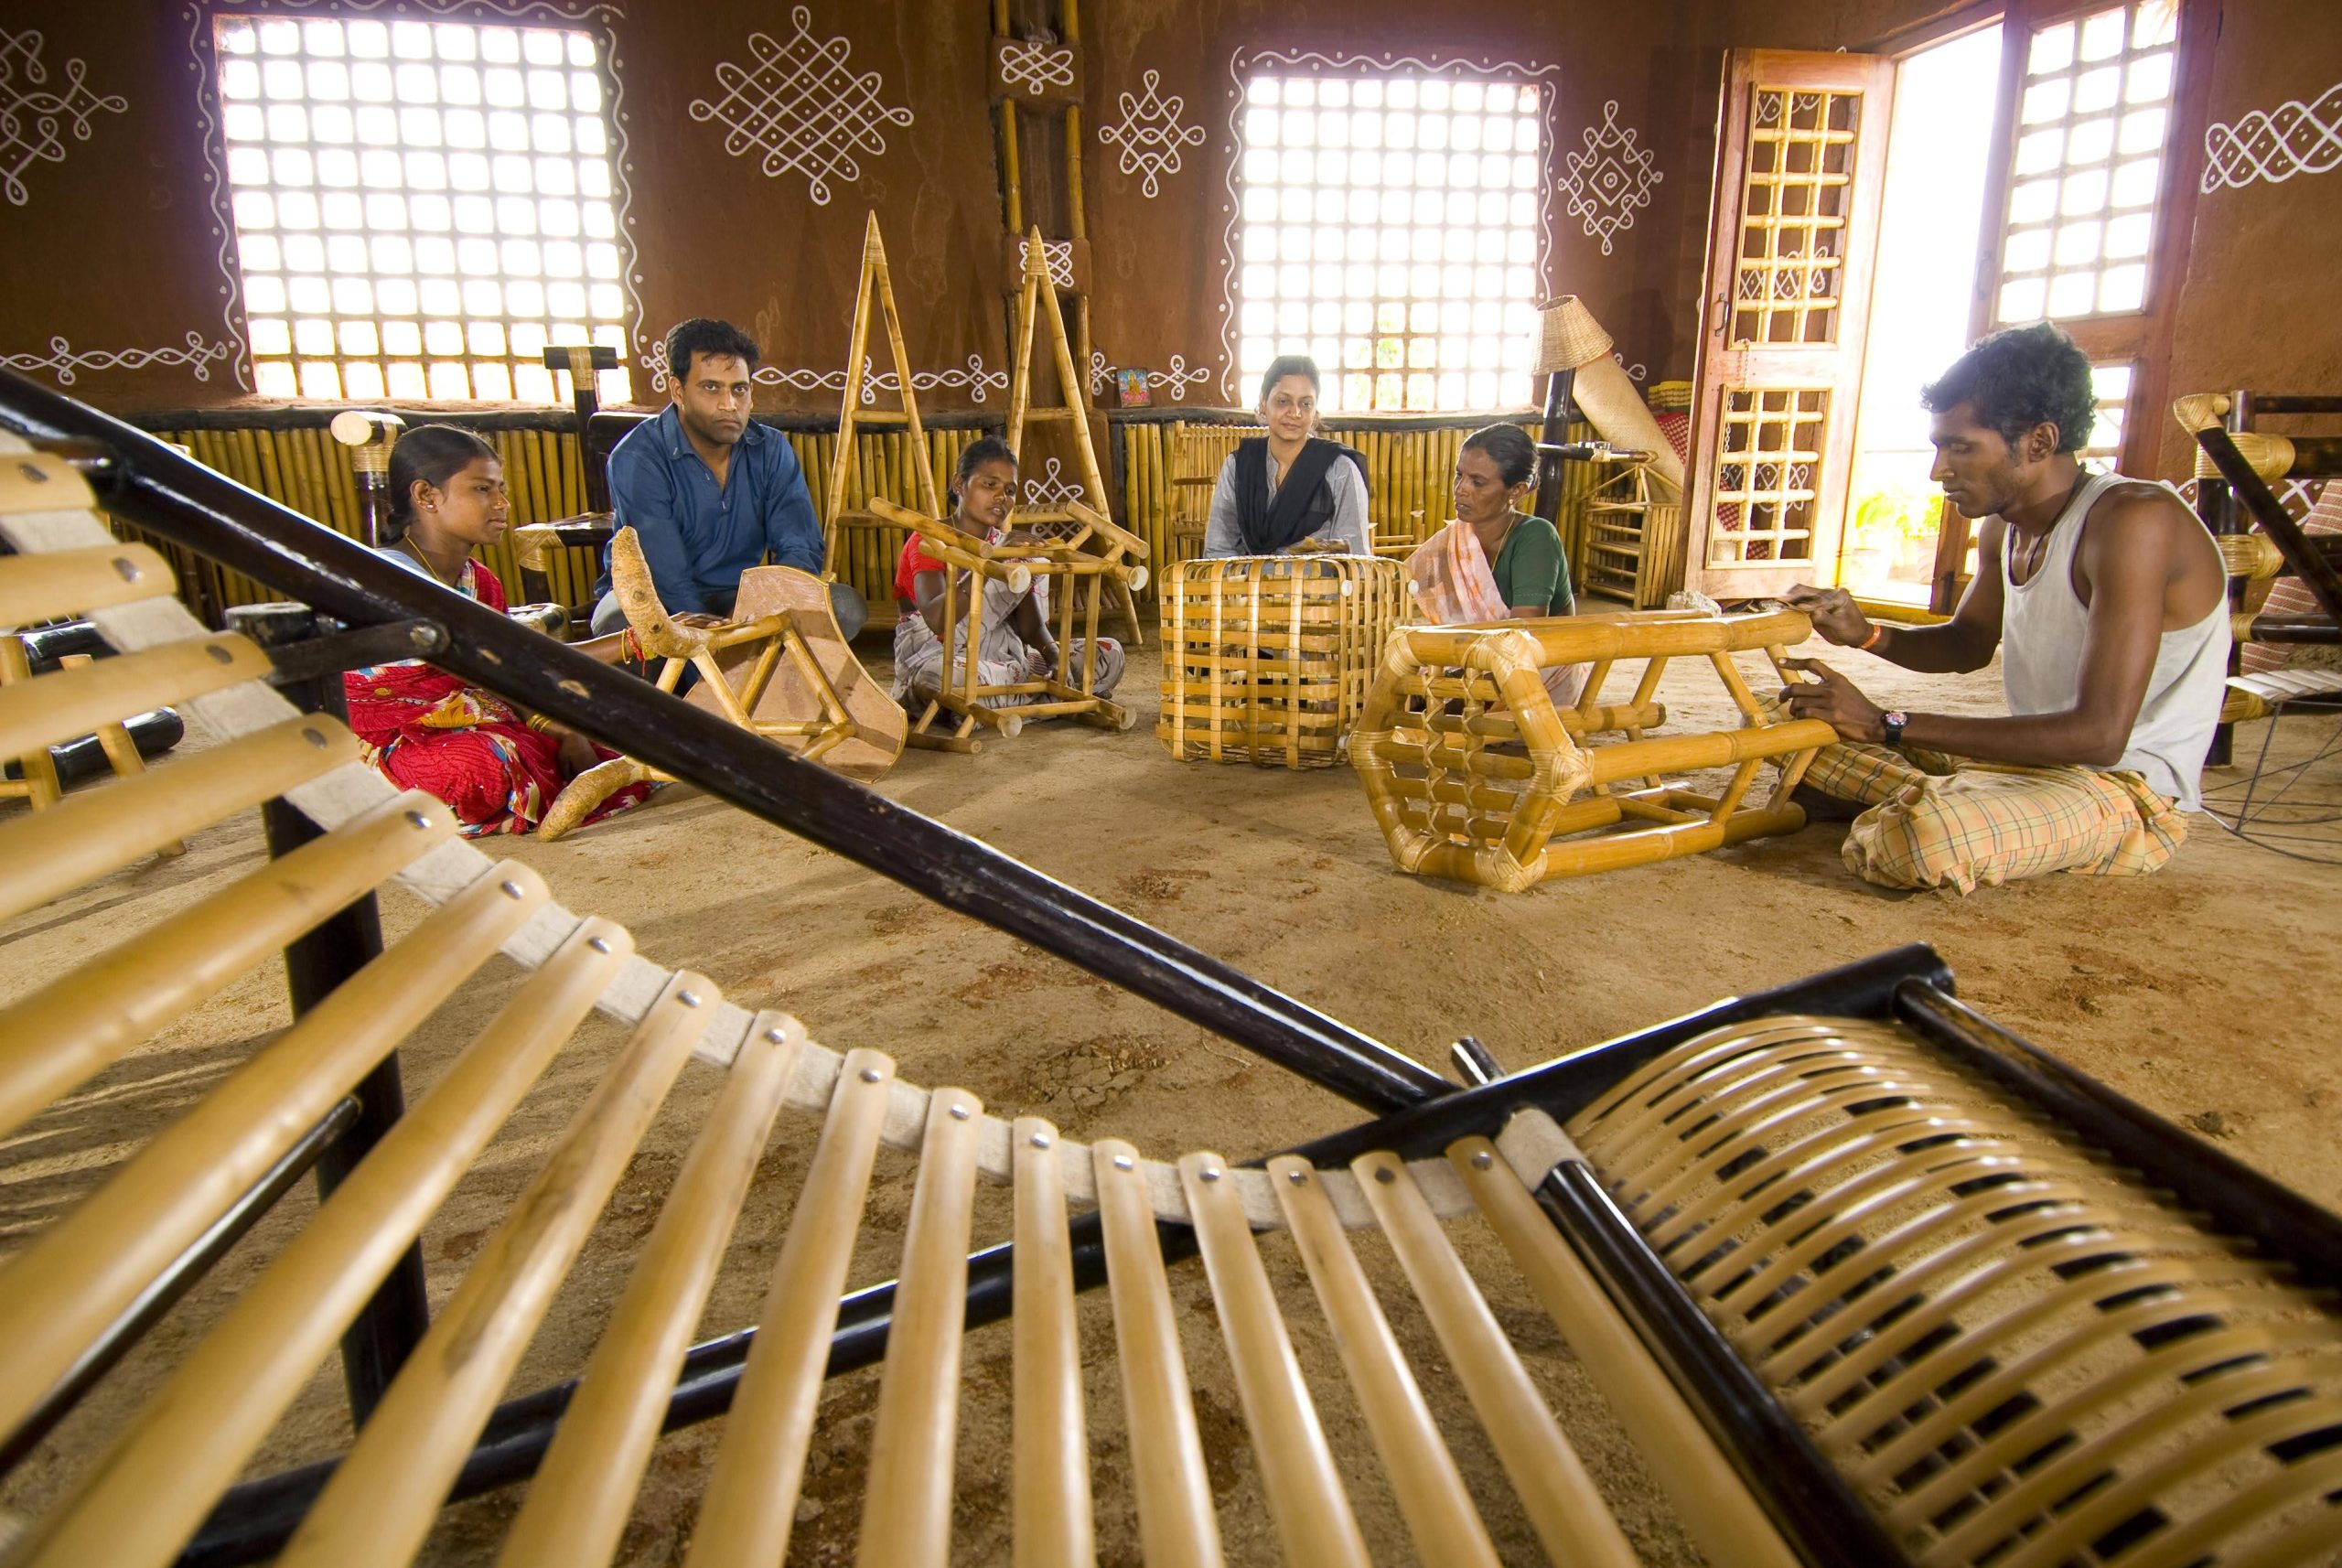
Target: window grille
x=1389 y=229
x=420 y=208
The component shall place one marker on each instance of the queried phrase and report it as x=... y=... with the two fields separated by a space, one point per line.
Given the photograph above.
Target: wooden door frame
x=1722 y=364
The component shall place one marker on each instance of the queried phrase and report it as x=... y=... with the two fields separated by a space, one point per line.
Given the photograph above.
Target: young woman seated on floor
x=1494 y=561
x=1289 y=490
x=496 y=766
x=1016 y=644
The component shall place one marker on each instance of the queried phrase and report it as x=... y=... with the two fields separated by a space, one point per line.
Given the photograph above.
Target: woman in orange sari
x=1494 y=561
x=496 y=766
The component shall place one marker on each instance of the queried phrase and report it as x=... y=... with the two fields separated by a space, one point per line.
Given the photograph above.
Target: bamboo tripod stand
x=1037 y=292
x=875 y=289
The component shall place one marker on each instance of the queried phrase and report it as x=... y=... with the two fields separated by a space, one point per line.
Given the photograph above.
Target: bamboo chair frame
x=1473 y=773
x=1199 y=452
x=813 y=720
x=1096 y=552
x=1638 y=1187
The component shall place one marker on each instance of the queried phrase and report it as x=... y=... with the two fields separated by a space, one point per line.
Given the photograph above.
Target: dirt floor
x=2171 y=988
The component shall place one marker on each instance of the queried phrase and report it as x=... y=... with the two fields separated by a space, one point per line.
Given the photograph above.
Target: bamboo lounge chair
x=1868 y=1279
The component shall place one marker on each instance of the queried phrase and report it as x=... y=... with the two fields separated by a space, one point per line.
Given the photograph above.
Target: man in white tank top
x=2108 y=602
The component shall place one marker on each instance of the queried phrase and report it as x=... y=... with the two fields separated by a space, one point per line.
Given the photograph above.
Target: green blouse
x=1530 y=569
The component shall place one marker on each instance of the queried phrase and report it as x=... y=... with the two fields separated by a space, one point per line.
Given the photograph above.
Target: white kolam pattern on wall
x=35 y=120
x=2275 y=144
x=801 y=105
x=1035 y=68
x=1607 y=177
x=1151 y=135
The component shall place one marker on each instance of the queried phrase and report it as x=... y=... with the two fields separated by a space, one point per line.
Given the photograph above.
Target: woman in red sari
x=495 y=764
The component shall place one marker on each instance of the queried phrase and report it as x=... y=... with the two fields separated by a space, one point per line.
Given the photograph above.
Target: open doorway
x=1939 y=162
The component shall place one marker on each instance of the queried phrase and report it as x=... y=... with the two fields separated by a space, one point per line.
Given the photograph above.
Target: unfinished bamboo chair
x=1267 y=659
x=778 y=669
x=1474 y=773
x=1079 y=564
x=1867 y=1280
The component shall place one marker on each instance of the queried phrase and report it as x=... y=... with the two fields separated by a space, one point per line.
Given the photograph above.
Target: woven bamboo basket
x=1267 y=659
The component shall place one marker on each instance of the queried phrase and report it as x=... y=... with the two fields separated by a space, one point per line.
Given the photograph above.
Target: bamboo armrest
x=531 y=541
x=1130 y=544
x=733 y=633
x=661 y=636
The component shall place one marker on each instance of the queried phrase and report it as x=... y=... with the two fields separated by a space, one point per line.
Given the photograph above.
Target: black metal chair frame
x=1417 y=1112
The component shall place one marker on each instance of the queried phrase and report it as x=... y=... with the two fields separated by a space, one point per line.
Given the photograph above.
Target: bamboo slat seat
x=1864 y=1281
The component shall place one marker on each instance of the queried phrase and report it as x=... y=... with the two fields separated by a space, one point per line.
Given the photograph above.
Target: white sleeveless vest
x=2042 y=627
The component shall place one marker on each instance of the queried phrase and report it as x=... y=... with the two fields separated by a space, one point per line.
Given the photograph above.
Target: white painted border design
x=1176 y=378
x=63 y=363
x=599 y=17
x=2275 y=145
x=1519 y=73
x=974 y=378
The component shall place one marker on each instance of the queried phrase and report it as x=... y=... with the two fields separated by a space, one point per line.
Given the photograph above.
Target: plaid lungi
x=1937 y=821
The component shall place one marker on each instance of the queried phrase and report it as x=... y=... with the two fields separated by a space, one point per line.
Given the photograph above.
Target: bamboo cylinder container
x=1267 y=659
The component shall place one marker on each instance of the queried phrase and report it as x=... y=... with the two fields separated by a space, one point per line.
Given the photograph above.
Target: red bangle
x=1878 y=630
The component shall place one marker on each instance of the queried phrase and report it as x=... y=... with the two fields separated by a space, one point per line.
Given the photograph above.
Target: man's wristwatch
x=1893 y=722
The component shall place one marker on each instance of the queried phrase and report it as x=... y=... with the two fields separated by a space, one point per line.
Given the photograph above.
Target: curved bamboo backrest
x=2020 y=1354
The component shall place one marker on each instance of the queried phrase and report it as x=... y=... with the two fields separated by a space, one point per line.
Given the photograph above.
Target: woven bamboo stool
x=1865 y=1280
x=779 y=669
x=1267 y=659
x=1094 y=553
x=1473 y=774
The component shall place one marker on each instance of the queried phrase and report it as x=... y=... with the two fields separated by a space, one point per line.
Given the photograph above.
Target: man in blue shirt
x=709 y=490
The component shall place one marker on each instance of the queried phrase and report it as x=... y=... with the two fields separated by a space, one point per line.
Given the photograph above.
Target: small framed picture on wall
x=1129 y=388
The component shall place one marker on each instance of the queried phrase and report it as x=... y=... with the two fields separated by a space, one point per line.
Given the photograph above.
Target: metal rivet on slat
x=418 y=819
x=599 y=944
x=316 y=738
x=1040 y=1140
x=32 y=471
x=1483 y=1160
x=220 y=655
x=1297 y=1176
x=688 y=998
x=1385 y=1175
x=1123 y=1162
x=776 y=1036
x=126 y=569
x=871 y=1074
x=1209 y=1173
x=512 y=889
x=957 y=1112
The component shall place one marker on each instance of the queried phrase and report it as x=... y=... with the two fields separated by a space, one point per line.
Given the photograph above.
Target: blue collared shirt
x=698 y=538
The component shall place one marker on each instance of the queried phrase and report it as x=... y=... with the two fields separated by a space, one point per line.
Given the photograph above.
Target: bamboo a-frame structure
x=1038 y=291
x=874 y=288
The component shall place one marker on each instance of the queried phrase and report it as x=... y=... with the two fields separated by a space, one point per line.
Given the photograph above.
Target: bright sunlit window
x=421 y=208
x=1390 y=231
x=2092 y=121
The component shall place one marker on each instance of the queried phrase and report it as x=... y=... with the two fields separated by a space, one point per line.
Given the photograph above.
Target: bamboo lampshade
x=1568 y=336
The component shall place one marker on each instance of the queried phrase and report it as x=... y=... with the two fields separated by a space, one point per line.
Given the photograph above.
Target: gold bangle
x=541 y=724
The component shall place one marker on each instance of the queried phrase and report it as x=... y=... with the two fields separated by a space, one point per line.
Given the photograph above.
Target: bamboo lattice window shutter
x=1785 y=305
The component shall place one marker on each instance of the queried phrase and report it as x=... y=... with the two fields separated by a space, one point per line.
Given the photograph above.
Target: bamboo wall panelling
x=1267 y=659
x=1478 y=769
